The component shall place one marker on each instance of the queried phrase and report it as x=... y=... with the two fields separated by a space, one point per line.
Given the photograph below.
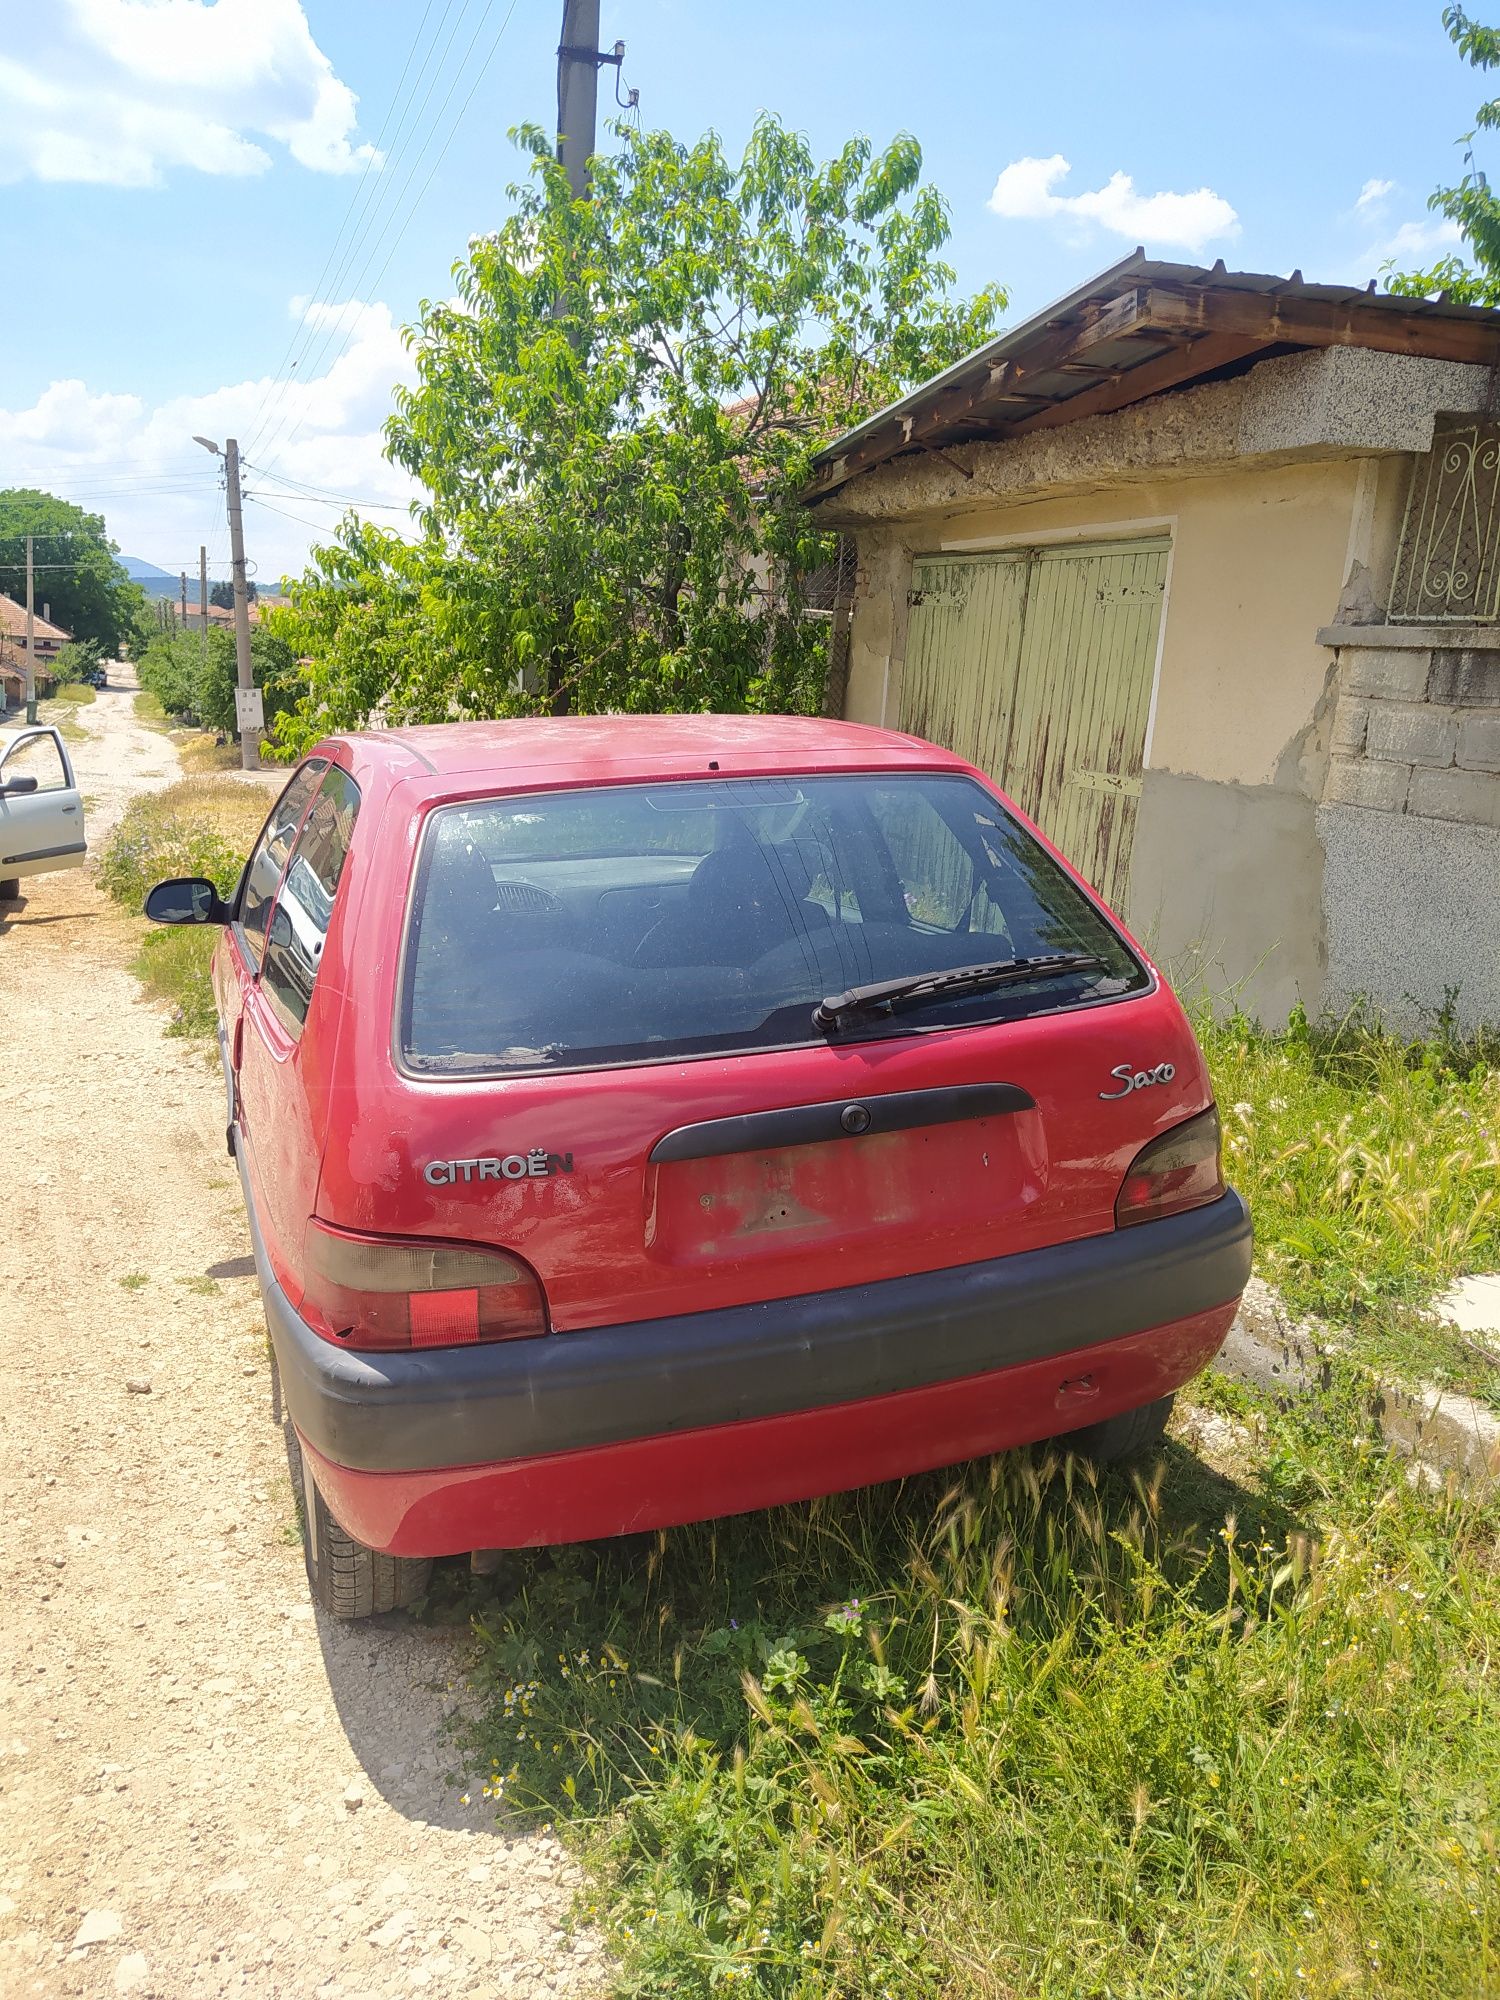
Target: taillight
x=1179 y=1170
x=374 y=1291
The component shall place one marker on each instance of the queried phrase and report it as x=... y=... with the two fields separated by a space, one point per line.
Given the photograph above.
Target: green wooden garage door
x=1036 y=665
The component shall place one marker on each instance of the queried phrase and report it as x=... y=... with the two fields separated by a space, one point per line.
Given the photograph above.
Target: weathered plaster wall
x=1226 y=891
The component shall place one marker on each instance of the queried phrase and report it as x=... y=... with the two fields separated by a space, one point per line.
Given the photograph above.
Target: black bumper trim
x=817 y=1124
x=444 y=1407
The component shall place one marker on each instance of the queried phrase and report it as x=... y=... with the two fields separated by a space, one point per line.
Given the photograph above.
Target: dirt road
x=204 y=1788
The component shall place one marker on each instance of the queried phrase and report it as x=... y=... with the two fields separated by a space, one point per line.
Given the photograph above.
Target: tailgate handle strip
x=844 y=1118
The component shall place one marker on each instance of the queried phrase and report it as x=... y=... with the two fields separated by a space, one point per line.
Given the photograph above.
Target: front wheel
x=1122 y=1436
x=346 y=1578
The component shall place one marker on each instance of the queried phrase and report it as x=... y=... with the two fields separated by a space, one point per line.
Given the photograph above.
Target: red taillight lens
x=1179 y=1170
x=372 y=1291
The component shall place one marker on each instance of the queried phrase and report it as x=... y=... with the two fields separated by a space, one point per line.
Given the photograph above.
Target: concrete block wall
x=1417 y=730
x=1410 y=824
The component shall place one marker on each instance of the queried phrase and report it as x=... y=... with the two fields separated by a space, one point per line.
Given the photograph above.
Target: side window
x=304 y=908
x=938 y=879
x=271 y=850
x=37 y=757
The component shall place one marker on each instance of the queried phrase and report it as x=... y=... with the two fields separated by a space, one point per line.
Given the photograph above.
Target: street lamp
x=207 y=444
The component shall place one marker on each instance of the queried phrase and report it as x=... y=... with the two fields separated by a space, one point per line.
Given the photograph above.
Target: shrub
x=201 y=826
x=76 y=661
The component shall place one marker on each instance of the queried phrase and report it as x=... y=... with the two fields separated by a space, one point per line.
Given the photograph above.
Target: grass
x=1015 y=1731
x=199 y=826
x=198 y=750
x=75 y=694
x=1372 y=1167
x=134 y=1281
x=1025 y=1730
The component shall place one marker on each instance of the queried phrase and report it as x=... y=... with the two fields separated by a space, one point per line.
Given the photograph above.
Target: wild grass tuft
x=1022 y=1731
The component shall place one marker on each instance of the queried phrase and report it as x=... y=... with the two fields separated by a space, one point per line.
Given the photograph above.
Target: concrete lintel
x=1423 y=638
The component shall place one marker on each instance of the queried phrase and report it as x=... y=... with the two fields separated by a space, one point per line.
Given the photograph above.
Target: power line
x=319 y=527
x=370 y=213
x=354 y=196
x=359 y=283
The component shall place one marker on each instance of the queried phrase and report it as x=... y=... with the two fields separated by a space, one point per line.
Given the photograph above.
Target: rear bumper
x=697 y=1475
x=438 y=1409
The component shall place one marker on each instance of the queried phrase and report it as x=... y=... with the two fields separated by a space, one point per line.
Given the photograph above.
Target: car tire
x=10 y=889
x=347 y=1579
x=1122 y=1436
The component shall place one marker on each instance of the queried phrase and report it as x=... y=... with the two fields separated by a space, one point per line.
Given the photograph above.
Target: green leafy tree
x=75 y=662
x=1472 y=203
x=612 y=425
x=222 y=594
x=281 y=680
x=90 y=594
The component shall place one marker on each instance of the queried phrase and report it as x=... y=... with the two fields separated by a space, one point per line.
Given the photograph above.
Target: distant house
x=1203 y=567
x=47 y=641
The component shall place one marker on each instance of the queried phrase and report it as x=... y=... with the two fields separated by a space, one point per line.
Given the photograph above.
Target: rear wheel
x=1122 y=1436
x=10 y=889
x=347 y=1579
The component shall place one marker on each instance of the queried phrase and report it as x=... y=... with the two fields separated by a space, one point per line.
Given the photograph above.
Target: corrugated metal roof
x=927 y=414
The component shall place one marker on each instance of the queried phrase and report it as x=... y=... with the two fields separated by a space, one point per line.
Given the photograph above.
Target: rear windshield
x=570 y=930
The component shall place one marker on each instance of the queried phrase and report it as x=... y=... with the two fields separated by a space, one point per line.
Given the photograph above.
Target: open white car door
x=41 y=812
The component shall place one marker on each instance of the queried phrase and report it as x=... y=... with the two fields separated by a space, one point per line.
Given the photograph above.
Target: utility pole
x=579 y=61
x=244 y=674
x=247 y=704
x=30 y=637
x=184 y=601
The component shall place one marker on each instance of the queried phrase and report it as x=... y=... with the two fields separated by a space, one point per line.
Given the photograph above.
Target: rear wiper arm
x=880 y=995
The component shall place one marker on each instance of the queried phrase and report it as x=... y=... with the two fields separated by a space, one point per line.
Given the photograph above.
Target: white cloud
x=1373 y=193
x=1025 y=192
x=1420 y=240
x=135 y=463
x=120 y=91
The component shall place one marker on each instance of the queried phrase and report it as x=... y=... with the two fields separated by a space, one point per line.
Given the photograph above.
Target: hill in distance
x=157 y=582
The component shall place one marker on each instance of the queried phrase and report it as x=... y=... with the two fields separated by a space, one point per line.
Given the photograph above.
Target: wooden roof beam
x=1266 y=319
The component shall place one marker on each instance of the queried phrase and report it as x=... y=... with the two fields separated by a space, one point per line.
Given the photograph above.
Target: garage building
x=1204 y=569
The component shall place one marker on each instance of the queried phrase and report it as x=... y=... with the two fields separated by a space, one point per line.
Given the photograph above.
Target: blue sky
x=175 y=175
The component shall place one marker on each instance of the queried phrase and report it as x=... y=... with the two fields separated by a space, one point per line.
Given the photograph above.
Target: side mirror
x=186 y=899
x=16 y=788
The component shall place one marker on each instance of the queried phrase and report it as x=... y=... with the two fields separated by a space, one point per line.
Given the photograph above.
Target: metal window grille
x=1448 y=559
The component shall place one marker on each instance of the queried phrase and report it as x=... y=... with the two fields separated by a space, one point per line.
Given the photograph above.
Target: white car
x=41 y=811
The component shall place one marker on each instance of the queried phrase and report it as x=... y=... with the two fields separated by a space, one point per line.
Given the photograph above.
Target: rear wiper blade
x=880 y=995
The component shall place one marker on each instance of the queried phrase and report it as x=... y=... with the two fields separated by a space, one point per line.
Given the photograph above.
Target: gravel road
x=205 y=1788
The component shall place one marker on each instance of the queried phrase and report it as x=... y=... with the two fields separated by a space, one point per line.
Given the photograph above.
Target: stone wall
x=1410 y=821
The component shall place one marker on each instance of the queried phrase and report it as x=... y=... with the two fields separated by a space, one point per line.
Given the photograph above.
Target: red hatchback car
x=646 y=1118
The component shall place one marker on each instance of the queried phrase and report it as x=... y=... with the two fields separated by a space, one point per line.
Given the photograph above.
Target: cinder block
x=1394 y=673
x=1350 y=720
x=1358 y=782
x=1470 y=796
x=1479 y=743
x=1469 y=679
x=1412 y=732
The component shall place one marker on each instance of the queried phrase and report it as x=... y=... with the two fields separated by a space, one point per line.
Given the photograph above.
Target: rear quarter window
x=650 y=923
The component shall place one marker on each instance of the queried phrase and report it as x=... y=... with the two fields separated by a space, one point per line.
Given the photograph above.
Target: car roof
x=564 y=749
